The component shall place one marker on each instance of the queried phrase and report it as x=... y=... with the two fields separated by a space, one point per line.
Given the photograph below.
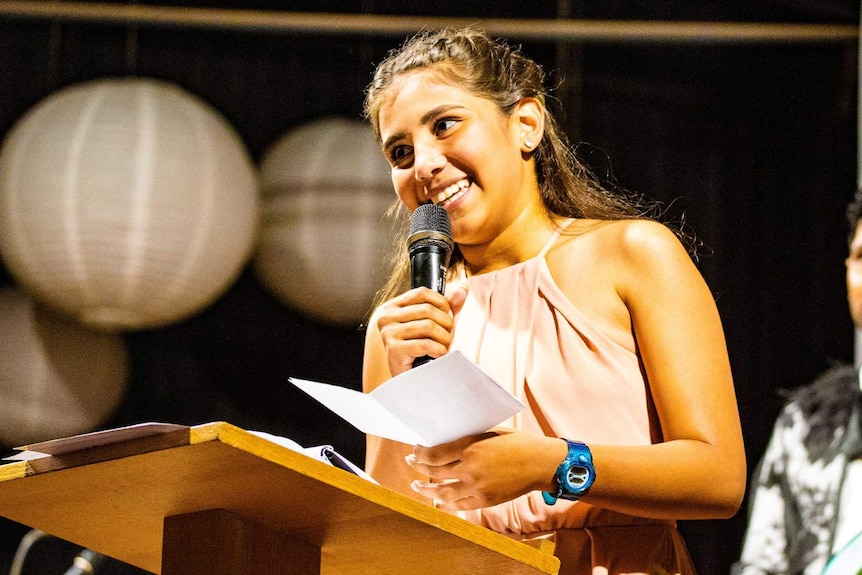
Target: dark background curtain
x=753 y=143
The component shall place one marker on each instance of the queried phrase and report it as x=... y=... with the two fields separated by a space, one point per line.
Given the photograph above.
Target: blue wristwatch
x=575 y=474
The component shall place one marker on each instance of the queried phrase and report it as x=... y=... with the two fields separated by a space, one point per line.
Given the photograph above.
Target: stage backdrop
x=752 y=143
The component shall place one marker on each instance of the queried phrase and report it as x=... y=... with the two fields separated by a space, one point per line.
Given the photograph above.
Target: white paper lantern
x=57 y=377
x=324 y=243
x=126 y=203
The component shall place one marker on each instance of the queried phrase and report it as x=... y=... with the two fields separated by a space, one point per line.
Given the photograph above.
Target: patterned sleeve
x=764 y=550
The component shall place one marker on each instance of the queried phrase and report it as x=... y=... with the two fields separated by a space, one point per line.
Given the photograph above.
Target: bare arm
x=698 y=471
x=414 y=324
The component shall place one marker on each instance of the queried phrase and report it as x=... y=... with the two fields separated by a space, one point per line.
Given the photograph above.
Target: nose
x=428 y=160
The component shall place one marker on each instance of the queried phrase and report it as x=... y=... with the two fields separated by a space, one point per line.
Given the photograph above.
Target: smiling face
x=450 y=147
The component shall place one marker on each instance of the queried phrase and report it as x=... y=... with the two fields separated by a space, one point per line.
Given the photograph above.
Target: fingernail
x=410 y=459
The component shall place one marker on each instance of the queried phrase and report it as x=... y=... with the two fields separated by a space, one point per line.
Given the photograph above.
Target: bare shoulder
x=639 y=238
x=604 y=267
x=600 y=264
x=623 y=241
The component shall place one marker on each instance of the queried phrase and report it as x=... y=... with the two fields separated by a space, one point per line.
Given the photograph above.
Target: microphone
x=430 y=246
x=85 y=563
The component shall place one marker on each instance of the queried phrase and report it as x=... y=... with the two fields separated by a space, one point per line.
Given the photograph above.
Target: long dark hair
x=470 y=59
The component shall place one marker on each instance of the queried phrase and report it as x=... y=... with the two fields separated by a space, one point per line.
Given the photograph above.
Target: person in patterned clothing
x=806 y=499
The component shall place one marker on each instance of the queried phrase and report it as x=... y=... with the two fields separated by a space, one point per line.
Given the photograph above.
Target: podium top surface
x=113 y=497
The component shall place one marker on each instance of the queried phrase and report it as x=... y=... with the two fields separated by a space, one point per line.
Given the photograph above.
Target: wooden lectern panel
x=115 y=498
x=232 y=546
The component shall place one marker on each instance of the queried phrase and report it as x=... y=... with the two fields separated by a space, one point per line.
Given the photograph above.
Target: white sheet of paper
x=440 y=401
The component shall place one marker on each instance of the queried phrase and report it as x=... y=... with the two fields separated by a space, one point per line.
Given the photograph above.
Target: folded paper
x=438 y=402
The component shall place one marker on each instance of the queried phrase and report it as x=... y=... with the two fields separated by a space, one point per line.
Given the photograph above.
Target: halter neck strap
x=563 y=225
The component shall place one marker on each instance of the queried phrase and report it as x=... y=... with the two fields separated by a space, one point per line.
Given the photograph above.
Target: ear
x=530 y=117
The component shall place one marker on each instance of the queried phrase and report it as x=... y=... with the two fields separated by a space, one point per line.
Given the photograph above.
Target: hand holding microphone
x=429 y=245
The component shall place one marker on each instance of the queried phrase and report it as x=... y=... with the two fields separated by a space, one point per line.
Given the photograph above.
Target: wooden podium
x=217 y=500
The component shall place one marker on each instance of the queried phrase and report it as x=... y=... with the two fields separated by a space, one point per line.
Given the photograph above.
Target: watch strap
x=578 y=454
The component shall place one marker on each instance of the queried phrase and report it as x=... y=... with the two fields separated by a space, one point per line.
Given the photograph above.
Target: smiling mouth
x=451 y=193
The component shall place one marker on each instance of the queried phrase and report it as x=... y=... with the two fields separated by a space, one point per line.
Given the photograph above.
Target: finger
x=395 y=314
x=412 y=302
x=435 y=457
x=446 y=494
x=444 y=490
x=435 y=472
x=423 y=295
x=435 y=329
x=413 y=322
x=447 y=453
x=406 y=341
x=457 y=297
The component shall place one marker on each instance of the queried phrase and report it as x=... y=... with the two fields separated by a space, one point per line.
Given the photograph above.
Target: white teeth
x=450 y=192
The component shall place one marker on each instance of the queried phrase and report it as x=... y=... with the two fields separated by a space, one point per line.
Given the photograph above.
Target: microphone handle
x=428 y=268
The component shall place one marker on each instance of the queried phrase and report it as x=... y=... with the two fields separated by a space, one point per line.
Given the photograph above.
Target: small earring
x=530 y=145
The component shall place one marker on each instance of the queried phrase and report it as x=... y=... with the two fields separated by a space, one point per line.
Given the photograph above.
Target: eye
x=398 y=155
x=444 y=124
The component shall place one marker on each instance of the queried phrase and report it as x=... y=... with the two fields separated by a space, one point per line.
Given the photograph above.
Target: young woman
x=573 y=298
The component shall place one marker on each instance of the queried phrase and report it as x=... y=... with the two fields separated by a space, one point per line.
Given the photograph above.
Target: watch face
x=575 y=474
x=577 y=477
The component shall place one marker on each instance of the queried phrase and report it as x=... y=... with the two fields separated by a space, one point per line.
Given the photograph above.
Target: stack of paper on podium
x=217 y=499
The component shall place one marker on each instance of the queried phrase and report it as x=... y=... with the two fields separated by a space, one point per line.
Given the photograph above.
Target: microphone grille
x=430 y=218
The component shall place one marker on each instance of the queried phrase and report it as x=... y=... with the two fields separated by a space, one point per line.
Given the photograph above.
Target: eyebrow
x=426 y=117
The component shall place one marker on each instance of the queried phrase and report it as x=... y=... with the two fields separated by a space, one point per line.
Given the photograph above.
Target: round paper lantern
x=324 y=242
x=57 y=377
x=126 y=203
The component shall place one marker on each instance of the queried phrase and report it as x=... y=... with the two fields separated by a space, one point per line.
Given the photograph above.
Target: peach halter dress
x=519 y=327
